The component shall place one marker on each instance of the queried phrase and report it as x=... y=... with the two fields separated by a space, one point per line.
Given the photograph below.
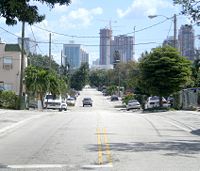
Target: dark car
x=87 y=101
x=114 y=98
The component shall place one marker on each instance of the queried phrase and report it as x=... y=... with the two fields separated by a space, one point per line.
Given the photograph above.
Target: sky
x=82 y=20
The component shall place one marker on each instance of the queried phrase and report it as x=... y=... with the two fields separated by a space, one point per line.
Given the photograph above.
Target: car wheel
x=83 y=105
x=60 y=110
x=127 y=109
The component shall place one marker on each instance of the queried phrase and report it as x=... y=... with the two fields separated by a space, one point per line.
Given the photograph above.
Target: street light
x=175 y=23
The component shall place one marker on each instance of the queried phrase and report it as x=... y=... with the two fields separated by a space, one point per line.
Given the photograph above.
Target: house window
x=8 y=86
x=7 y=63
x=1 y=85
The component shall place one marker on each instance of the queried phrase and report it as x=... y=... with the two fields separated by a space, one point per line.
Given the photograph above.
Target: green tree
x=164 y=71
x=196 y=72
x=42 y=62
x=22 y=10
x=126 y=74
x=80 y=77
x=97 y=78
x=190 y=8
x=39 y=82
x=116 y=57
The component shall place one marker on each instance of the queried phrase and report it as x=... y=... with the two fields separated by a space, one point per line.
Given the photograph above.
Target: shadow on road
x=180 y=147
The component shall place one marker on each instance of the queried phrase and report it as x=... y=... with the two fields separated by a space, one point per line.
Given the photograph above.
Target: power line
x=35 y=40
x=145 y=28
x=76 y=36
x=169 y=29
x=66 y=35
x=61 y=43
x=9 y=32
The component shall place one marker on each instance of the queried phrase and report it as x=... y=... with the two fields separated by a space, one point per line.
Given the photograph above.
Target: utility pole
x=22 y=68
x=175 y=23
x=49 y=50
x=134 y=43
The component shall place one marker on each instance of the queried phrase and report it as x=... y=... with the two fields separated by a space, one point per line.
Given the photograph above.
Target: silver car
x=133 y=104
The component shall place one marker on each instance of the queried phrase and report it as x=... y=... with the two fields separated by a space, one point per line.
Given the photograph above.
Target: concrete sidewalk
x=11 y=118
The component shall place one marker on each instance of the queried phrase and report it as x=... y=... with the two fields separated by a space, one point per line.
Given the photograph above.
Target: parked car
x=114 y=98
x=71 y=101
x=153 y=101
x=55 y=102
x=133 y=104
x=87 y=101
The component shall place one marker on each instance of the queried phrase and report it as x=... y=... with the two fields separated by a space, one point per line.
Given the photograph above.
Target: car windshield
x=87 y=99
x=133 y=101
x=154 y=98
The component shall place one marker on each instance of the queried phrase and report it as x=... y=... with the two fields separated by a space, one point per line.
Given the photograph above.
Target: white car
x=71 y=101
x=55 y=102
x=153 y=101
x=133 y=104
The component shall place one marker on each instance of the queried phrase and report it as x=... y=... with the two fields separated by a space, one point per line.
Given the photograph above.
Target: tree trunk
x=39 y=102
x=160 y=101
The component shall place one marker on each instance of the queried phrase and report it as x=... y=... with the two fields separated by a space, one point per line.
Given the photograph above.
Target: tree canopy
x=42 y=62
x=39 y=81
x=190 y=8
x=22 y=10
x=80 y=77
x=163 y=71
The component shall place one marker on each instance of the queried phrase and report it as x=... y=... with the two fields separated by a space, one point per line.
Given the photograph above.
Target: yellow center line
x=107 y=146
x=100 y=156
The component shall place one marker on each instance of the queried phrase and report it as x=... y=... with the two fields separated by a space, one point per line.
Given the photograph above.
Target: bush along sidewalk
x=8 y=100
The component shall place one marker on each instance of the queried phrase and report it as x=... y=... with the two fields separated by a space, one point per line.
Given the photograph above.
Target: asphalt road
x=102 y=137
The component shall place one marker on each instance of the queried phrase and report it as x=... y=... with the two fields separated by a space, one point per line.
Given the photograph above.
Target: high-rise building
x=124 y=45
x=170 y=41
x=74 y=55
x=29 y=45
x=186 y=41
x=85 y=57
x=105 y=46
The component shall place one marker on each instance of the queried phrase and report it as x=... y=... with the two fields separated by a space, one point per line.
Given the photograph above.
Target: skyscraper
x=124 y=45
x=170 y=41
x=186 y=41
x=74 y=55
x=105 y=46
x=85 y=57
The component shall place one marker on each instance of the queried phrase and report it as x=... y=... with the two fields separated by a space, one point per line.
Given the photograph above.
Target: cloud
x=39 y=34
x=79 y=18
x=144 y=7
x=60 y=8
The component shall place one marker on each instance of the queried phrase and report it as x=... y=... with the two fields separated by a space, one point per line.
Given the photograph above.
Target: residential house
x=10 y=66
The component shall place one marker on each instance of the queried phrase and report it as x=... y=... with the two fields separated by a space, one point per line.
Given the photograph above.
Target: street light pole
x=175 y=24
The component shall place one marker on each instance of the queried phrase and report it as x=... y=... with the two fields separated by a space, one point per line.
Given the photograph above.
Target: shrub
x=128 y=97
x=177 y=103
x=9 y=100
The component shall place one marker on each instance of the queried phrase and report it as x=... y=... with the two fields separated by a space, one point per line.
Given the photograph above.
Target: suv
x=154 y=102
x=55 y=102
x=87 y=101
